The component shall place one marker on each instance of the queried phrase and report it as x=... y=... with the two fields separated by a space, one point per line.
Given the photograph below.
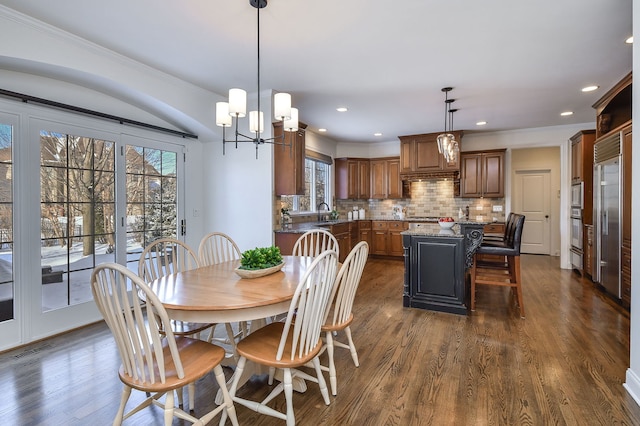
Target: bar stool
x=504 y=272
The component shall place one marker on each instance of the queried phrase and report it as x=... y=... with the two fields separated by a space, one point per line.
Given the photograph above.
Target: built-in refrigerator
x=607 y=216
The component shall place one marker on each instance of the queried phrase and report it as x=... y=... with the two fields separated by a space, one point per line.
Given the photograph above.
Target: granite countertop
x=301 y=228
x=434 y=230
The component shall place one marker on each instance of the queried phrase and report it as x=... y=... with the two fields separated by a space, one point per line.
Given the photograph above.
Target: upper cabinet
x=360 y=178
x=419 y=157
x=582 y=169
x=385 y=178
x=613 y=110
x=352 y=178
x=288 y=162
x=482 y=174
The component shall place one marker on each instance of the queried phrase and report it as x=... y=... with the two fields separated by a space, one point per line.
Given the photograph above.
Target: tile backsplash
x=429 y=198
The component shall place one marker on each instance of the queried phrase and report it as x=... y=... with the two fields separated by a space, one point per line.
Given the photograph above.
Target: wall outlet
x=479 y=218
x=196 y=213
x=497 y=208
x=479 y=208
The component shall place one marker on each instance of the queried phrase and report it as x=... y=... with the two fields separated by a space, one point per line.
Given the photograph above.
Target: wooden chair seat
x=338 y=327
x=197 y=357
x=261 y=346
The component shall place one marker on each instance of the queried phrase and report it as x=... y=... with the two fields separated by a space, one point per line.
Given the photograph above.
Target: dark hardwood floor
x=562 y=365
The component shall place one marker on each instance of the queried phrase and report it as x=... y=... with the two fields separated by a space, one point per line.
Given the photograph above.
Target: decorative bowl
x=257 y=273
x=446 y=225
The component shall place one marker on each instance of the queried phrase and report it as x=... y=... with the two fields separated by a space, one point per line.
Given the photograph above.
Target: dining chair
x=166 y=256
x=500 y=273
x=340 y=316
x=215 y=248
x=294 y=342
x=154 y=360
x=314 y=242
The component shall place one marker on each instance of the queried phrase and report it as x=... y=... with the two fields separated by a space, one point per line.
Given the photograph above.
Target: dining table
x=217 y=294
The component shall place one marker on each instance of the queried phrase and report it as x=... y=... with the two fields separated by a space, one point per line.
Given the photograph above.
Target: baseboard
x=632 y=385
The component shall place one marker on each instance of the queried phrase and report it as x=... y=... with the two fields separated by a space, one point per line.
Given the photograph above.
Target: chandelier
x=448 y=146
x=236 y=108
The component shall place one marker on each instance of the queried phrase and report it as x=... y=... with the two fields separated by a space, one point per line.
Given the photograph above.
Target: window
x=317 y=189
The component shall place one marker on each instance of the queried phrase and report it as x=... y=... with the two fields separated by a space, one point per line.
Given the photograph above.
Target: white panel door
x=531 y=196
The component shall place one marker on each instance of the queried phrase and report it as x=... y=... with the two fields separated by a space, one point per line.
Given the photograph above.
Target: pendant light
x=237 y=107
x=447 y=144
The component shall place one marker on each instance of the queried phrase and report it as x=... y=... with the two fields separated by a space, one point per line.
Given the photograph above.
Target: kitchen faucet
x=320 y=205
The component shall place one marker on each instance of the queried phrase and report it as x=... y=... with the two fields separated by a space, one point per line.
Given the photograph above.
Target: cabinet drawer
x=379 y=225
x=340 y=228
x=364 y=224
x=399 y=225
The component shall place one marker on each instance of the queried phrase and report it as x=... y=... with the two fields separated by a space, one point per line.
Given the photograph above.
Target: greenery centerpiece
x=259 y=262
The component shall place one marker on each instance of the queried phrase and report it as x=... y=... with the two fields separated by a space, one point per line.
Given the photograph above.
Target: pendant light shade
x=223 y=119
x=447 y=144
x=238 y=103
x=291 y=125
x=282 y=106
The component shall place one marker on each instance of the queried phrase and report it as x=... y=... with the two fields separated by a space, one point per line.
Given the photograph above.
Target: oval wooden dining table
x=216 y=294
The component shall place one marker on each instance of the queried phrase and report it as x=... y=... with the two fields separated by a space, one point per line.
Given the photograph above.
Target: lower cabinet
x=626 y=277
x=386 y=239
x=435 y=274
x=286 y=241
x=364 y=228
x=342 y=232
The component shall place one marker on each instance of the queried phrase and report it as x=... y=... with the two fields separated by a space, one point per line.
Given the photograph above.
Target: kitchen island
x=435 y=264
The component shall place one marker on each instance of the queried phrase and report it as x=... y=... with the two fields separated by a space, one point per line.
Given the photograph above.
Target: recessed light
x=629 y=40
x=322 y=130
x=481 y=123
x=377 y=134
x=566 y=113
x=590 y=88
x=341 y=109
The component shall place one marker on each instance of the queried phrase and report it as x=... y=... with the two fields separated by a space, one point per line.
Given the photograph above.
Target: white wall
x=632 y=383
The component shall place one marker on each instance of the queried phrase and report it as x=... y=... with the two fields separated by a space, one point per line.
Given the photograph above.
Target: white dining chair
x=294 y=342
x=314 y=242
x=154 y=360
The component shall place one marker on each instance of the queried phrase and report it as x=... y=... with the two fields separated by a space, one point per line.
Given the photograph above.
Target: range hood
x=435 y=175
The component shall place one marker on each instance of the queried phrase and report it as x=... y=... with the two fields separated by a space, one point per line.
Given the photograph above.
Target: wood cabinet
x=626 y=216
x=386 y=239
x=582 y=169
x=482 y=174
x=364 y=229
x=288 y=162
x=385 y=178
x=352 y=178
x=419 y=157
x=285 y=241
x=588 y=250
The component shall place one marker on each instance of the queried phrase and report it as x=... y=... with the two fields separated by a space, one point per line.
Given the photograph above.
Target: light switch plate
x=497 y=208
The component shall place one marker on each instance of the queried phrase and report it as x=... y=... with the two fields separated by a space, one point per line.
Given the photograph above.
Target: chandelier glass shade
x=447 y=144
x=229 y=112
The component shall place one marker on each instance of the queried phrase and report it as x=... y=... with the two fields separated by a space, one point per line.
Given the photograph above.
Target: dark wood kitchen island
x=435 y=264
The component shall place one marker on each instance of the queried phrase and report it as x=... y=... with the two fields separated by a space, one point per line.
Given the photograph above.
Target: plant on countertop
x=261 y=258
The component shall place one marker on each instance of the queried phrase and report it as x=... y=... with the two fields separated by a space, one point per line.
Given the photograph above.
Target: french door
x=88 y=196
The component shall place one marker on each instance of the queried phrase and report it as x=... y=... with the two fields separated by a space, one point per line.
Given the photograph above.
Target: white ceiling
x=514 y=64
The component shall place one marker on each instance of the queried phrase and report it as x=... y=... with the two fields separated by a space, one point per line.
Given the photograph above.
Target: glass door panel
x=77 y=205
x=6 y=224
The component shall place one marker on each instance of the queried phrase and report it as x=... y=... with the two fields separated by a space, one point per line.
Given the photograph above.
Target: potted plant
x=260 y=261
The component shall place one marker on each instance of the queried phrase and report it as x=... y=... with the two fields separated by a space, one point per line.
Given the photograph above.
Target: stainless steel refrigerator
x=607 y=223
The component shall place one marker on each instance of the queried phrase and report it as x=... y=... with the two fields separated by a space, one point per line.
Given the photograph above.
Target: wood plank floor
x=562 y=365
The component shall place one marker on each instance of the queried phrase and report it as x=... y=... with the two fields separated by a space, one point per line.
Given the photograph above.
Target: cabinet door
x=407 y=155
x=364 y=179
x=470 y=175
x=288 y=162
x=365 y=235
x=427 y=157
x=394 y=244
x=493 y=175
x=343 y=245
x=394 y=184
x=379 y=242
x=626 y=187
x=378 y=169
x=576 y=161
x=353 y=182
